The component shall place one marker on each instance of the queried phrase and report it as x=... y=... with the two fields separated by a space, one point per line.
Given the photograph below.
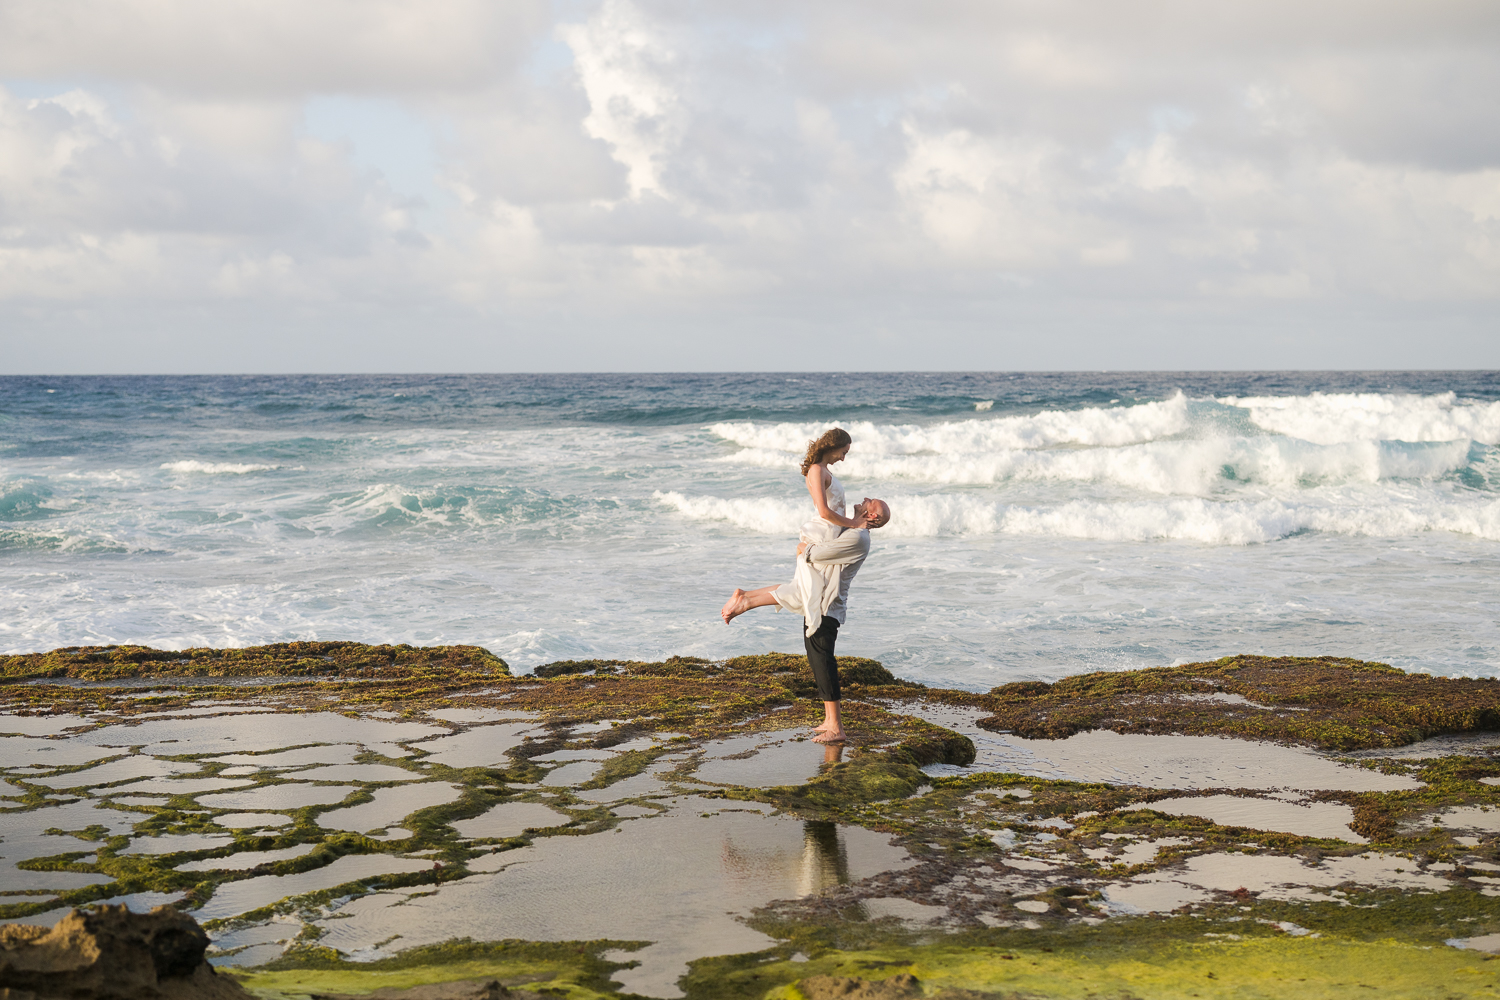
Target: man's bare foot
x=824 y=728
x=833 y=736
x=737 y=605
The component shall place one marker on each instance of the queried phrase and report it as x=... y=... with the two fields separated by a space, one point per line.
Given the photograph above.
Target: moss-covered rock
x=1327 y=702
x=282 y=659
x=563 y=668
x=573 y=969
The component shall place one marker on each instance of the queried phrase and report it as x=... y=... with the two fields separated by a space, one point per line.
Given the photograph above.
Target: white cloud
x=623 y=66
x=990 y=183
x=988 y=201
x=284 y=48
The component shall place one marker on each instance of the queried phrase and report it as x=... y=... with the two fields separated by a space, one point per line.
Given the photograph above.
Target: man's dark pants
x=820 y=657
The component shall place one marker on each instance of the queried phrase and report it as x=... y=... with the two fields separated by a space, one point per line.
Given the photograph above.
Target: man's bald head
x=875 y=512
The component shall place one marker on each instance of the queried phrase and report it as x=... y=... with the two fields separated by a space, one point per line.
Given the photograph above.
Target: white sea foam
x=1190 y=519
x=1095 y=426
x=1336 y=417
x=216 y=468
x=1157 y=447
x=772 y=517
x=1242 y=523
x=1181 y=467
x=386 y=505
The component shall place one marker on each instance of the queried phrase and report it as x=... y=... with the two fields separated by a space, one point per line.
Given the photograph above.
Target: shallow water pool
x=677 y=880
x=390 y=806
x=1188 y=762
x=237 y=897
x=277 y=797
x=510 y=819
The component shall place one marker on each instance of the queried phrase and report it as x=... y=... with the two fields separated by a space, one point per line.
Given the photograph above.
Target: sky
x=658 y=185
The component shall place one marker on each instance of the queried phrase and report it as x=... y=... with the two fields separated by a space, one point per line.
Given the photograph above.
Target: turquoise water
x=1044 y=524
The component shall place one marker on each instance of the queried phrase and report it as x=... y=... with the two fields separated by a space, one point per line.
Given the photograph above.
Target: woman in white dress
x=822 y=485
x=811 y=593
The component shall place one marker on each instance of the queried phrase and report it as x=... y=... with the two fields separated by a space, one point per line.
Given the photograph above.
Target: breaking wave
x=1176 y=446
x=1332 y=418
x=13 y=540
x=1192 y=467
x=216 y=468
x=771 y=517
x=1191 y=519
x=1109 y=427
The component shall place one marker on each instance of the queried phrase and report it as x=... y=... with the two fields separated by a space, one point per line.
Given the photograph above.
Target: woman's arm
x=820 y=500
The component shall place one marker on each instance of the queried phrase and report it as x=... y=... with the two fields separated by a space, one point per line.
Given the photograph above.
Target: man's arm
x=850 y=547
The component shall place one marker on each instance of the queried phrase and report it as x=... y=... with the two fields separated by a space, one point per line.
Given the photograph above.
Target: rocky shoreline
x=1246 y=827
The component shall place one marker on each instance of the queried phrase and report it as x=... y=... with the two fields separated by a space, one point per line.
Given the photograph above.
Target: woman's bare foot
x=825 y=727
x=833 y=736
x=737 y=605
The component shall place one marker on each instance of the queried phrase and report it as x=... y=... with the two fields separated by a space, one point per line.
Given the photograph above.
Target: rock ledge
x=109 y=953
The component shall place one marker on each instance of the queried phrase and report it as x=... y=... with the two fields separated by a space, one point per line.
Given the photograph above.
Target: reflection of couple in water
x=830 y=551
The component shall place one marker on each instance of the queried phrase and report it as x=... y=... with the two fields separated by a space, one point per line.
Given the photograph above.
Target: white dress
x=834 y=494
x=820 y=581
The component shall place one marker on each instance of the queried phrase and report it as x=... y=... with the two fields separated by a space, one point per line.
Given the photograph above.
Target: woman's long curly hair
x=832 y=440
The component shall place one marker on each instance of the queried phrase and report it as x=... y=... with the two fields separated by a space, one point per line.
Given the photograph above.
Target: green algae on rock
x=1327 y=702
x=282 y=659
x=1264 y=968
x=573 y=969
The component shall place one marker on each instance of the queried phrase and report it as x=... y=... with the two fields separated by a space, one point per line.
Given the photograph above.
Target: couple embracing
x=830 y=550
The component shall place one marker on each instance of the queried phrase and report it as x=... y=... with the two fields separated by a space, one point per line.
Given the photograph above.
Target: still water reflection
x=824 y=861
x=679 y=880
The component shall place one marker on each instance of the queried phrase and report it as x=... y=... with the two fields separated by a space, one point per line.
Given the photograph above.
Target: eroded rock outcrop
x=109 y=953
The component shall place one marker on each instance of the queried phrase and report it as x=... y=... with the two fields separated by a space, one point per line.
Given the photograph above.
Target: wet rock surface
x=110 y=953
x=347 y=819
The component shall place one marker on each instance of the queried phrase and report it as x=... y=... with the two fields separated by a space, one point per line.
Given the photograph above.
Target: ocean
x=1044 y=524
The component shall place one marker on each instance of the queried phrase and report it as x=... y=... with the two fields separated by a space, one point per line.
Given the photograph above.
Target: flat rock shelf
x=343 y=819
